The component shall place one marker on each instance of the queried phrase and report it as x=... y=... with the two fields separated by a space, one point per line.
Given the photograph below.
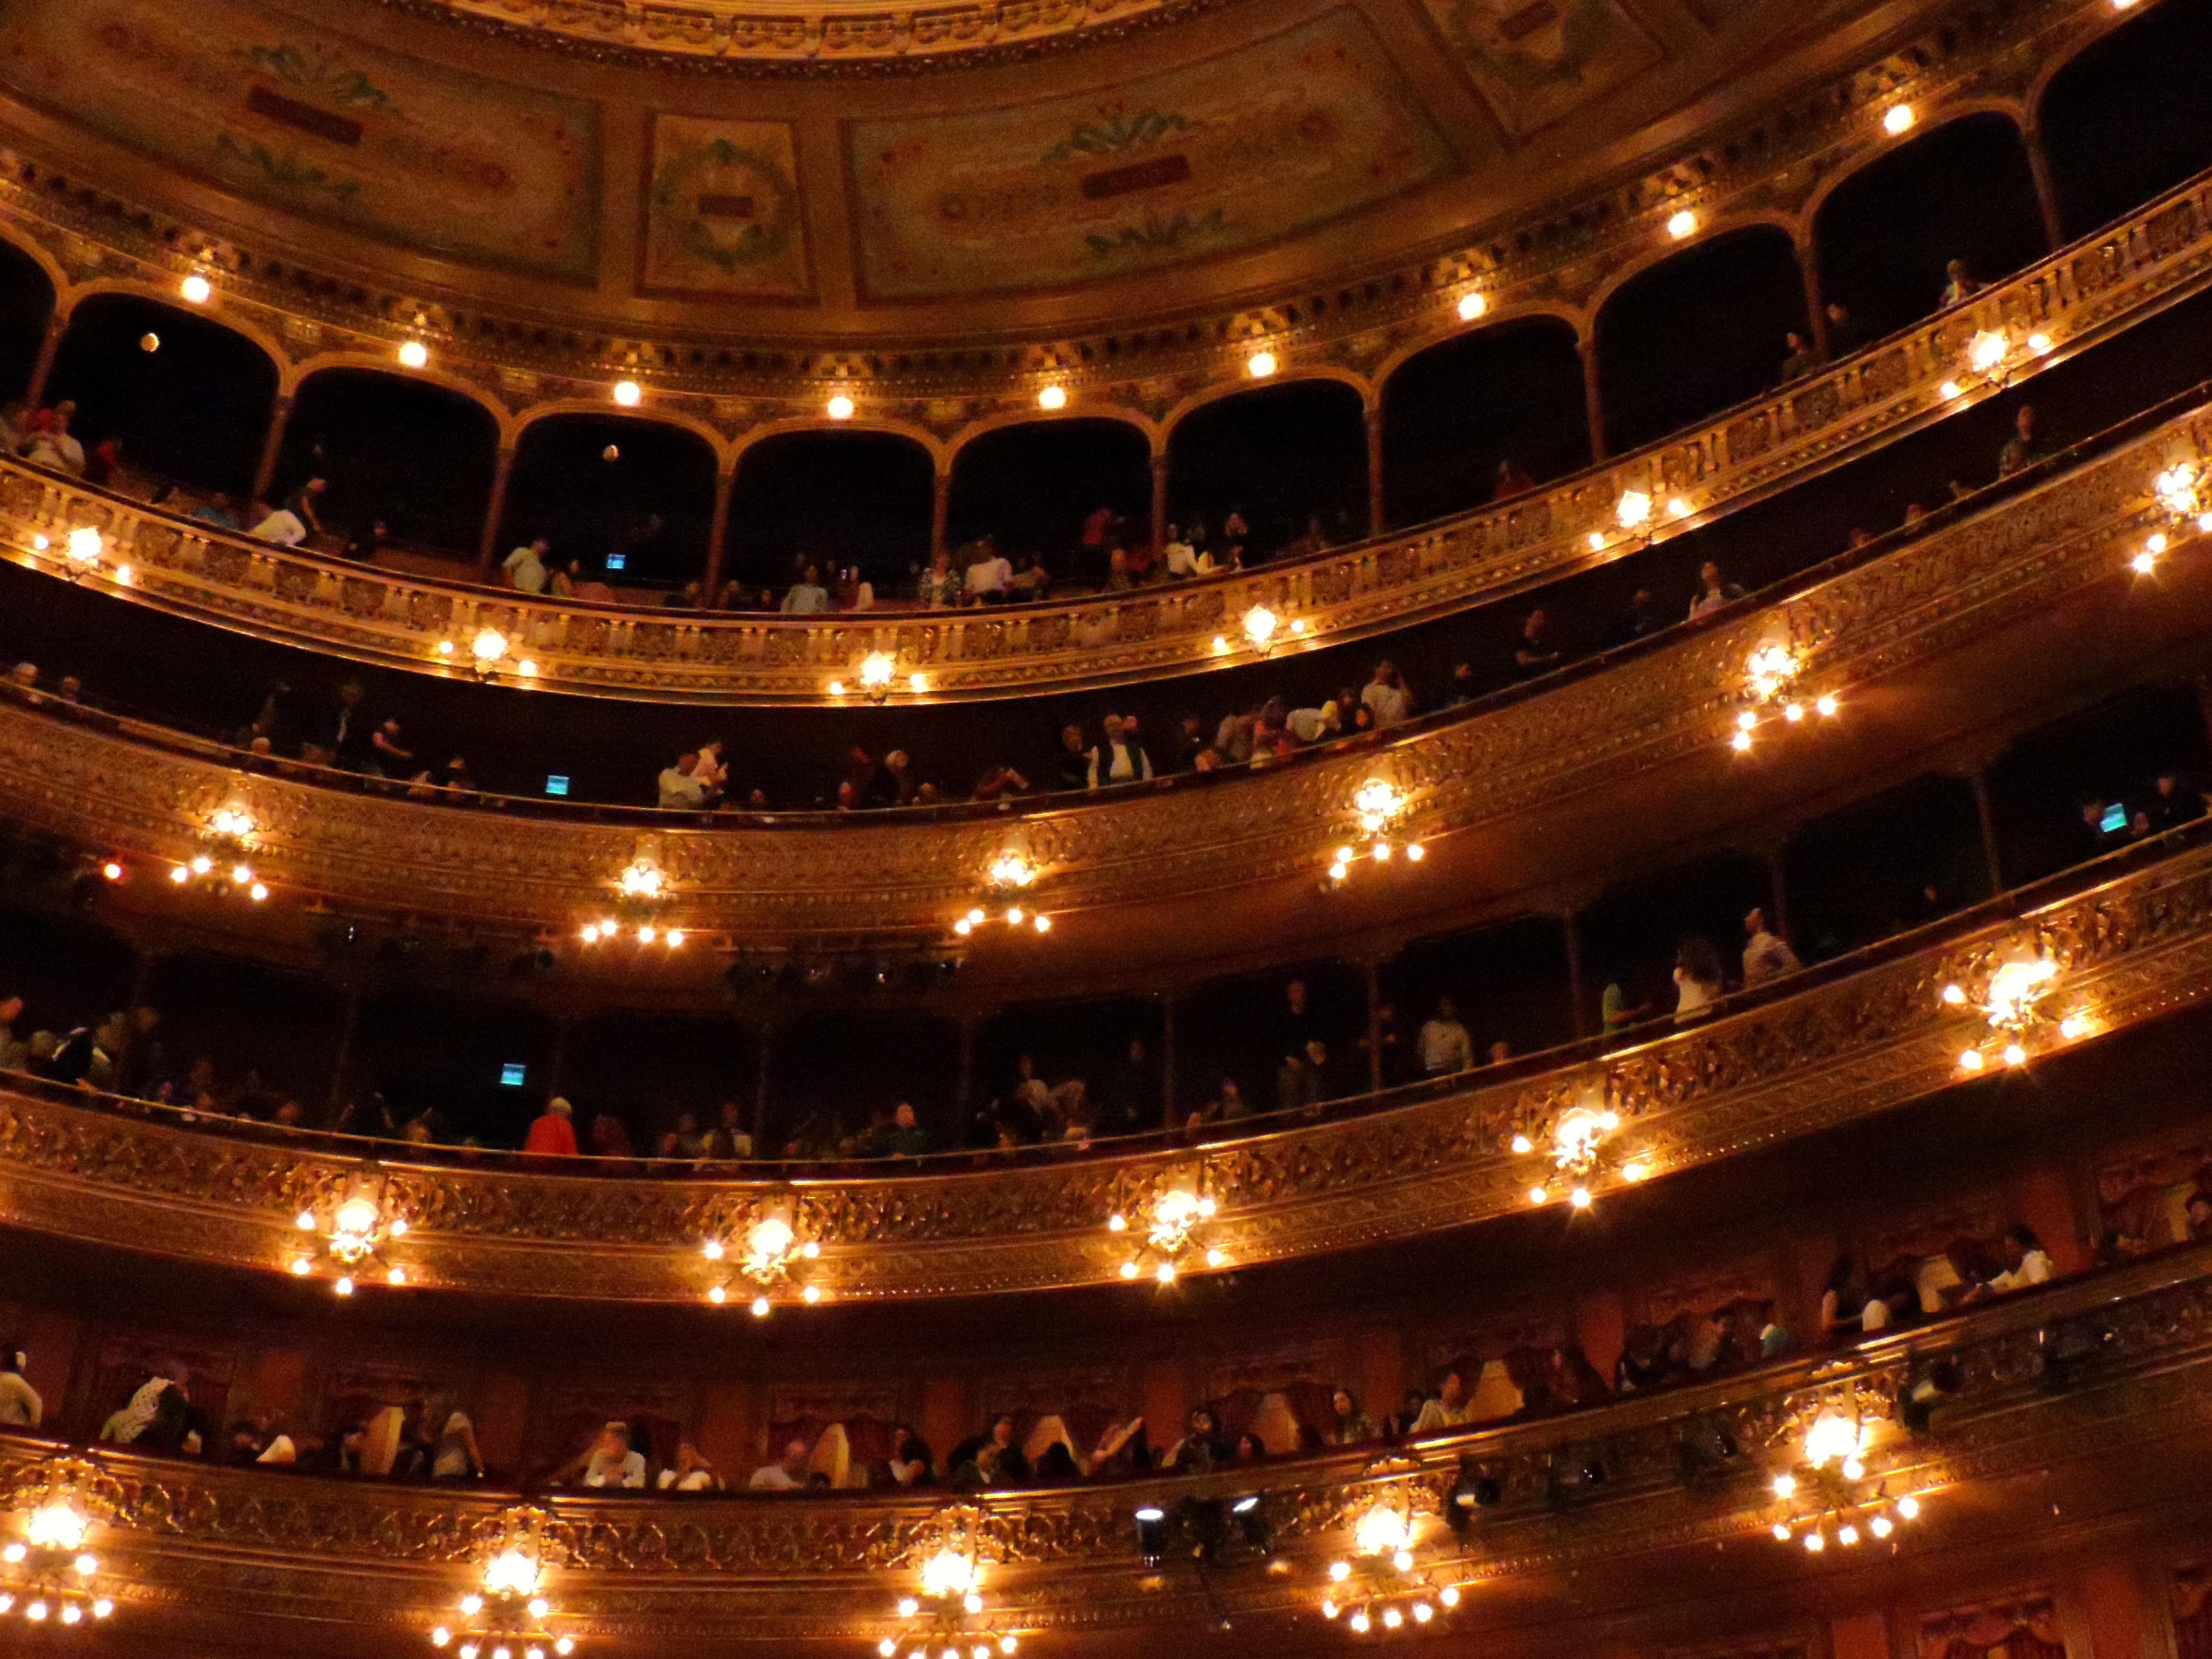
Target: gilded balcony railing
x=2057 y=308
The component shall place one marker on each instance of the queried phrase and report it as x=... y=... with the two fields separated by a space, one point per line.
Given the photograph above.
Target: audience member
x=2021 y=450
x=1697 y=977
x=20 y=1405
x=1444 y=1044
x=1713 y=591
x=806 y=597
x=1766 y=955
x=526 y=567
x=1386 y=697
x=552 y=1134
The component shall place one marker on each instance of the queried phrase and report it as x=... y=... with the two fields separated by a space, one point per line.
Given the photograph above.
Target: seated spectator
x=1443 y=1042
x=788 y=1474
x=1616 y=1013
x=1000 y=783
x=456 y=1456
x=1398 y=1426
x=2172 y=801
x=1766 y=955
x=729 y=1139
x=682 y=789
x=806 y=597
x=609 y=1461
x=1802 y=360
x=910 y=1463
x=684 y=1141
x=1201 y=1449
x=940 y=585
x=1643 y=1365
x=50 y=445
x=1958 y=285
x=2026 y=1266
x=1713 y=591
x=609 y=1136
x=690 y=1472
x=552 y=1134
x=1894 y=1302
x=1181 y=559
x=1462 y=686
x=1310 y=726
x=1511 y=481
x=1386 y=697
x=280 y=526
x=1843 y=1304
x=1447 y=1410
x=1697 y=977
x=20 y=1405
x=1347 y=1425
x=1075 y=764
x=1121 y=758
x=1535 y=653
x=524 y=566
x=988 y=1460
x=388 y=757
x=990 y=578
x=904 y=1137
x=2021 y=450
x=1845 y=336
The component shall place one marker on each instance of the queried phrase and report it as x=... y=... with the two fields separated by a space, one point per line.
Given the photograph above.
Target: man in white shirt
x=282 y=527
x=681 y=789
x=1182 y=559
x=2030 y=1266
x=52 y=446
x=526 y=567
x=1315 y=724
x=807 y=597
x=1443 y=1042
x=789 y=1475
x=1767 y=956
x=990 y=578
x=1121 y=758
x=612 y=1463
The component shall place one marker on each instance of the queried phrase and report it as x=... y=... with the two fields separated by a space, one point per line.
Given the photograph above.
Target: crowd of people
x=433 y=1441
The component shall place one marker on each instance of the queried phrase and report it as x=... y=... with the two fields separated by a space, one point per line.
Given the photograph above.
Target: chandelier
x=1010 y=875
x=1379 y=808
x=1826 y=1496
x=1637 y=518
x=768 y=1259
x=2012 y=1004
x=1261 y=628
x=1574 y=1144
x=353 y=1229
x=640 y=889
x=1771 y=677
x=1991 y=357
x=873 y=679
x=2184 y=493
x=222 y=866
x=1172 y=1233
x=509 y=1616
x=1380 y=1585
x=944 y=1617
x=47 y=1573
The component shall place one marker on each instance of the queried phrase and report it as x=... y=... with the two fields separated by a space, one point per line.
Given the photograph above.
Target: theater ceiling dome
x=831 y=176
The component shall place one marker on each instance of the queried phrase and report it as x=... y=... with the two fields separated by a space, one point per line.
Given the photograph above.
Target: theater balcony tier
x=371 y=614
x=2033 y=603
x=2029 y=1432
x=1126 y=256
x=1859 y=1036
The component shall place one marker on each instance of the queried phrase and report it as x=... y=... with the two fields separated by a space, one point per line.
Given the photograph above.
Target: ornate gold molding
x=1767 y=168
x=787 y=1568
x=1838 y=1047
x=382 y=617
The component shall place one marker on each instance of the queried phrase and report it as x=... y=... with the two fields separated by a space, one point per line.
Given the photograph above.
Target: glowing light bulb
x=102 y=1607
x=840 y=407
x=1596 y=540
x=627 y=394
x=2014 y=1054
x=196 y=288
x=413 y=354
x=1328 y=1608
x=2143 y=563
x=760 y=1307
x=1359 y=1622
x=1970 y=1059
x=1897 y=118
x=2039 y=344
x=1853 y=1469
x=1948 y=391
x=1449 y=1595
x=1847 y=1535
x=1129 y=1270
x=344 y=1286
x=1634 y=1171
x=909 y=1606
x=1166 y=1275
x=1784 y=1486
x=257 y=892
x=302 y=1267
x=1781 y=1533
x=397 y=1276
x=717 y=1294
x=1681 y=224
x=1880 y=1526
x=2073 y=1026
x=1986 y=351
x=1260 y=365
x=1815 y=1543
x=811 y=1295
x=1908 y=1507
x=1741 y=742
x=1537 y=1195
x=1580 y=1198
x=1523 y=1145
x=1053 y=397
x=1472 y=306
x=1826 y=707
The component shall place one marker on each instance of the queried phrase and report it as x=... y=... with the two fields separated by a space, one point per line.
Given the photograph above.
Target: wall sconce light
x=1178 y=1217
x=1260 y=365
x=413 y=354
x=769 y=1254
x=196 y=288
x=1051 y=398
x=1681 y=224
x=2012 y=1005
x=840 y=408
x=354 y=1228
